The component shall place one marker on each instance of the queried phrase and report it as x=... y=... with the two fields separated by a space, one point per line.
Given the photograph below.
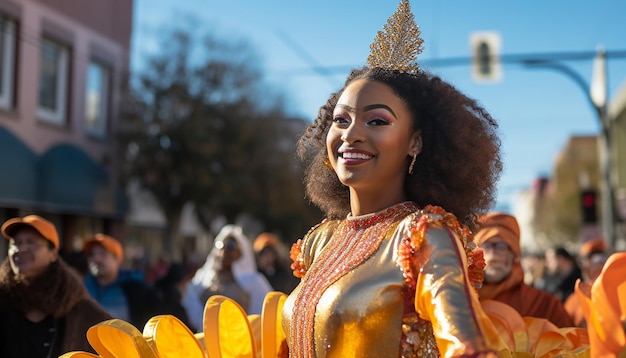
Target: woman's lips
x=355 y=157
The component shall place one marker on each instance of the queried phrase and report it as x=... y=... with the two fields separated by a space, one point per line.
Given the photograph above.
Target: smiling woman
x=432 y=146
x=390 y=272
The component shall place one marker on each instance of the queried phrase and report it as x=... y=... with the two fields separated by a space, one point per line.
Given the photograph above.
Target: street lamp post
x=596 y=93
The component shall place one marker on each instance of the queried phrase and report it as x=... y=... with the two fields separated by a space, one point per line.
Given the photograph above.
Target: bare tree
x=200 y=127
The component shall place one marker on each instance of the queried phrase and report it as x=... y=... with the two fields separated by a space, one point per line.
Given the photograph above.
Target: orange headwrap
x=593 y=245
x=501 y=225
x=265 y=239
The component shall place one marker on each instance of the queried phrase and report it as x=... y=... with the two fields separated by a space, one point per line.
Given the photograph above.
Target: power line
x=525 y=58
x=307 y=57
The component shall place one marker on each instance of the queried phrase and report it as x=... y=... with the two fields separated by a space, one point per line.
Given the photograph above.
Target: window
x=97 y=99
x=7 y=61
x=53 y=80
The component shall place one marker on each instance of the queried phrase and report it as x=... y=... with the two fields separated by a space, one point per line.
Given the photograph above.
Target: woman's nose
x=354 y=133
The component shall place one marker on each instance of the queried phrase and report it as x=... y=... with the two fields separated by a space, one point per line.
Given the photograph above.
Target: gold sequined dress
x=396 y=283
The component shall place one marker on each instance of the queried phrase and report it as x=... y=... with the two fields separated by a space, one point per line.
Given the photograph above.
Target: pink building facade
x=63 y=67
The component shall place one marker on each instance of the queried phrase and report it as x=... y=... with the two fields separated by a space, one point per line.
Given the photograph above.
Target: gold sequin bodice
x=351 y=301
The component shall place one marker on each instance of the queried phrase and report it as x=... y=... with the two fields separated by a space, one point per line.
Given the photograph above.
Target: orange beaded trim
x=411 y=257
x=354 y=241
x=297 y=264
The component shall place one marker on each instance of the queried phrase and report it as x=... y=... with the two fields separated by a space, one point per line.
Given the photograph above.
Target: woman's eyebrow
x=375 y=106
x=368 y=108
x=346 y=107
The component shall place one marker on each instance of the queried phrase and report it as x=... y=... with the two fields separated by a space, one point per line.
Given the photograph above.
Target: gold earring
x=412 y=163
x=327 y=163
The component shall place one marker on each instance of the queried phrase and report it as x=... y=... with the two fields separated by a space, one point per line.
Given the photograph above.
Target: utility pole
x=596 y=93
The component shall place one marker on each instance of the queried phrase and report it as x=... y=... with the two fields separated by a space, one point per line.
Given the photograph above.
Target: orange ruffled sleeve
x=437 y=259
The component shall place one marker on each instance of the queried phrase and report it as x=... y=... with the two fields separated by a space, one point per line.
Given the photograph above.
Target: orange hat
x=501 y=225
x=265 y=239
x=44 y=227
x=106 y=241
x=591 y=246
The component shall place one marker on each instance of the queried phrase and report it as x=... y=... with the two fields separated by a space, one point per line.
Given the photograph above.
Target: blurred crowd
x=49 y=299
x=536 y=285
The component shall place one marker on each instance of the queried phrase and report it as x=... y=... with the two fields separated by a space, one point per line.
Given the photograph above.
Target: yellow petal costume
x=228 y=333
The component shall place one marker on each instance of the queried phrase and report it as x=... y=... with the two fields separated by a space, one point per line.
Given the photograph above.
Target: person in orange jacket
x=499 y=237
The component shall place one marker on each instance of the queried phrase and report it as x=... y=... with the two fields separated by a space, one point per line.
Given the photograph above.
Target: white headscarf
x=245 y=264
x=244 y=270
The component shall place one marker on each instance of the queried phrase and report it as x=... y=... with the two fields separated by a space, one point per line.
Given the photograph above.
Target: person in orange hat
x=123 y=293
x=592 y=256
x=498 y=234
x=272 y=262
x=45 y=310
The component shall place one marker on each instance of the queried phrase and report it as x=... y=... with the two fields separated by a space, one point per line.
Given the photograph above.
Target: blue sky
x=537 y=109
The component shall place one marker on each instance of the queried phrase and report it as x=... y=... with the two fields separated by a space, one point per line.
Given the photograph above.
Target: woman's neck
x=361 y=204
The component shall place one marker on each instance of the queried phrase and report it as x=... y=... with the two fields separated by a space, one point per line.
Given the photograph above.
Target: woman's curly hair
x=457 y=168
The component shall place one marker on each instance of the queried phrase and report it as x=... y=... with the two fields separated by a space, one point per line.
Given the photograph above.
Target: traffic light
x=588 y=199
x=486 y=56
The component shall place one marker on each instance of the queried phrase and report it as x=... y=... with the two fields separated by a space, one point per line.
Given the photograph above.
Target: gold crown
x=396 y=47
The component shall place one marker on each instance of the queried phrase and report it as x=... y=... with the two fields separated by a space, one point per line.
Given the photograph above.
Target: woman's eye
x=340 y=120
x=378 y=122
